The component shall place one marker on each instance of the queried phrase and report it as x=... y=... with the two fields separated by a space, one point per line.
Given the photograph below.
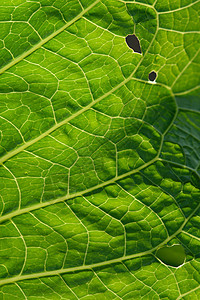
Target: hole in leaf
x=173 y=256
x=152 y=76
x=133 y=43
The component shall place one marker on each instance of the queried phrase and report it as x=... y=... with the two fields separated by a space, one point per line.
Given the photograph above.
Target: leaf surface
x=99 y=167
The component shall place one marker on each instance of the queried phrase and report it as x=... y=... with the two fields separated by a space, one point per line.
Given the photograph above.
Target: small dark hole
x=152 y=76
x=133 y=43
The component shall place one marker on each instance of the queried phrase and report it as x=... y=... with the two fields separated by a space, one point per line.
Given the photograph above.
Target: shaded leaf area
x=99 y=167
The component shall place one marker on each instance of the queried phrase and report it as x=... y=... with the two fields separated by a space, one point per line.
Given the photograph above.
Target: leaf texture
x=99 y=167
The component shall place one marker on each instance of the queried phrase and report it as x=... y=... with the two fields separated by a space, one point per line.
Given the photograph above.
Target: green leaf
x=99 y=166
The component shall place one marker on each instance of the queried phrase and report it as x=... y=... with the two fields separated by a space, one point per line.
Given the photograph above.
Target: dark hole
x=152 y=76
x=133 y=43
x=172 y=256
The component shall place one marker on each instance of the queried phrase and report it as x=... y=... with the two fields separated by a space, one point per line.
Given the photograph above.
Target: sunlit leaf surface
x=99 y=161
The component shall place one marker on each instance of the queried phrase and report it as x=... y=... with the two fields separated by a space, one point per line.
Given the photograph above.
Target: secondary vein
x=101 y=264
x=47 y=39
